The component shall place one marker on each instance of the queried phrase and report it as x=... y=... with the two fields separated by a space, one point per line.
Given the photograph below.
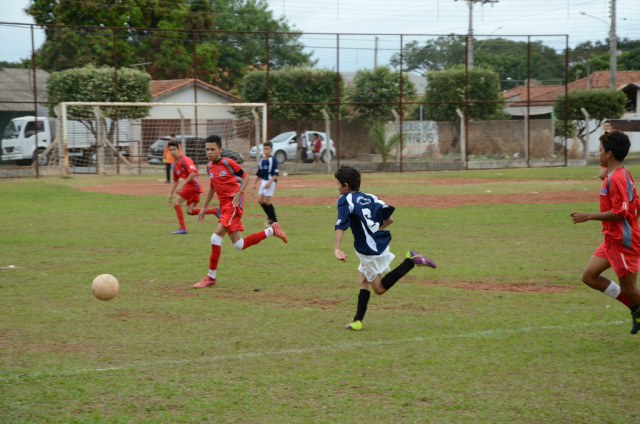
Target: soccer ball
x=105 y=287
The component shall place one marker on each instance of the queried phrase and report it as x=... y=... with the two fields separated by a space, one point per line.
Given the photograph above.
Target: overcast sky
x=505 y=18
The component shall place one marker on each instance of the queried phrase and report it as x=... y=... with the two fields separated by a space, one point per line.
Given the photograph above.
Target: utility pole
x=613 y=49
x=470 y=33
x=375 y=55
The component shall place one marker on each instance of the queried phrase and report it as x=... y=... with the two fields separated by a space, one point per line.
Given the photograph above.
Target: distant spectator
x=168 y=159
x=316 y=146
x=305 y=146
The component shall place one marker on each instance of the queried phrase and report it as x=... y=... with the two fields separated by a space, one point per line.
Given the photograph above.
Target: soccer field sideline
x=342 y=346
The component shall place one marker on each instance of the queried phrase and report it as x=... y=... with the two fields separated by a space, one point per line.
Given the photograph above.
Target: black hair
x=268 y=144
x=172 y=135
x=350 y=176
x=617 y=143
x=214 y=139
x=173 y=143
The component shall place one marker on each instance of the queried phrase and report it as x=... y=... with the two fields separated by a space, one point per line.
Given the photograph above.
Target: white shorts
x=373 y=265
x=267 y=191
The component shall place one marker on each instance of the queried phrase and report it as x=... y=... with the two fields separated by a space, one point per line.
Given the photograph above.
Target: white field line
x=306 y=350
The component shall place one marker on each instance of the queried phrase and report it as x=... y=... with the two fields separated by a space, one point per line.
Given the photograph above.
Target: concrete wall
x=493 y=138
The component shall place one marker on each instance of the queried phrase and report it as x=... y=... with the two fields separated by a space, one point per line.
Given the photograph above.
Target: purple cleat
x=419 y=259
x=218 y=213
x=180 y=231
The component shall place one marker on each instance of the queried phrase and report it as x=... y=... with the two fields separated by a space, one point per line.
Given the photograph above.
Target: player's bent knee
x=589 y=279
x=379 y=290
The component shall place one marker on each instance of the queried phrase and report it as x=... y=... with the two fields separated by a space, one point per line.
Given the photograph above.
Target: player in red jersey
x=620 y=250
x=183 y=167
x=228 y=181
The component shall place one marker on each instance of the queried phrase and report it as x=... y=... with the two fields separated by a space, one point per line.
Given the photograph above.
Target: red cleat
x=277 y=231
x=205 y=282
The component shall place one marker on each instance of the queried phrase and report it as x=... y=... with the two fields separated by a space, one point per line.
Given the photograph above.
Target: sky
x=384 y=19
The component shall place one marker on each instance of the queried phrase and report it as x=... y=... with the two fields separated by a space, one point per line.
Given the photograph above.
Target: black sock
x=271 y=212
x=397 y=273
x=265 y=208
x=633 y=307
x=363 y=301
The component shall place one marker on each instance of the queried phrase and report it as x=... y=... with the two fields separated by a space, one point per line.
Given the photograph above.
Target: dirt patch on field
x=424 y=201
x=496 y=286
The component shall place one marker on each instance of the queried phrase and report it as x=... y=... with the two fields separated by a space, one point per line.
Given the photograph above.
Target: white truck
x=19 y=140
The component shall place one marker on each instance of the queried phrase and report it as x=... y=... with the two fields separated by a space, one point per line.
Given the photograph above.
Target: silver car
x=285 y=145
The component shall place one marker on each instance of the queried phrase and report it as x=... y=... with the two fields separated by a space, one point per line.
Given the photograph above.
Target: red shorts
x=232 y=217
x=622 y=262
x=190 y=194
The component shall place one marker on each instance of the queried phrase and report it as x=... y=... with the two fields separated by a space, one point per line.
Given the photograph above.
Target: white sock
x=216 y=240
x=269 y=231
x=212 y=273
x=613 y=290
x=239 y=244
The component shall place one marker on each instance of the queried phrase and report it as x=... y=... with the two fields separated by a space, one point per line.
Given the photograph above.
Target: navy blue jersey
x=364 y=213
x=268 y=168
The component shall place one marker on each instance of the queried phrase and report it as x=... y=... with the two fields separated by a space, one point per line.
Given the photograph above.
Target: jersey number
x=373 y=226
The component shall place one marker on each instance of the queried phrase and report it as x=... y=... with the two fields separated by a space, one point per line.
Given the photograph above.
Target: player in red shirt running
x=620 y=250
x=183 y=167
x=228 y=181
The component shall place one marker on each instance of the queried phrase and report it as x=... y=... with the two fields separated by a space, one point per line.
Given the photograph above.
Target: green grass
x=431 y=349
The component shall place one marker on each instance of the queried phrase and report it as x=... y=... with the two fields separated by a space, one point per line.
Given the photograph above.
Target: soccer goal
x=95 y=136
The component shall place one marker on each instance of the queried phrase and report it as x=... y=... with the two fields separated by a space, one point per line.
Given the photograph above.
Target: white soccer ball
x=105 y=287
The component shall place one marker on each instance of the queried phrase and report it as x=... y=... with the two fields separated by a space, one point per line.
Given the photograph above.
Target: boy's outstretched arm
x=578 y=216
x=340 y=255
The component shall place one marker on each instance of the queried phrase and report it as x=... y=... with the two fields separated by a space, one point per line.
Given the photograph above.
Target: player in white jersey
x=368 y=216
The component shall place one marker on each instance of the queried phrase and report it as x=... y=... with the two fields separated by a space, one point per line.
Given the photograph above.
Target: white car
x=285 y=145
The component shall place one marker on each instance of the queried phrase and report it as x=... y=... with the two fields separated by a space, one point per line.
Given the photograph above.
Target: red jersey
x=618 y=195
x=184 y=166
x=225 y=177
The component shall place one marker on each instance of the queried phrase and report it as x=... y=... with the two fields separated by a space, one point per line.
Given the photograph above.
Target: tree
x=154 y=36
x=376 y=92
x=446 y=92
x=506 y=57
x=510 y=59
x=91 y=84
x=601 y=104
x=589 y=57
x=316 y=87
x=435 y=55
x=381 y=144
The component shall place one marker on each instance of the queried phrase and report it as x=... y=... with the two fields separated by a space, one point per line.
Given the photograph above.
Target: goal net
x=95 y=137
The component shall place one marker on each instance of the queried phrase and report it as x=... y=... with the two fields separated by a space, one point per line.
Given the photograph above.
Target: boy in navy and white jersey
x=268 y=176
x=368 y=216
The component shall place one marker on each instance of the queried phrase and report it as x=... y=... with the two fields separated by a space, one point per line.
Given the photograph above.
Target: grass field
x=503 y=331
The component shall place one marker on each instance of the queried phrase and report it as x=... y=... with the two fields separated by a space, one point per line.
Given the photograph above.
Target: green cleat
x=355 y=325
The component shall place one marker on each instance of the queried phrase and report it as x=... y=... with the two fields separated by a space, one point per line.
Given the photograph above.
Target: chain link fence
x=386 y=104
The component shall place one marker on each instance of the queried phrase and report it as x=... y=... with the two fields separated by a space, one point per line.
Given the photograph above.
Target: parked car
x=285 y=145
x=194 y=150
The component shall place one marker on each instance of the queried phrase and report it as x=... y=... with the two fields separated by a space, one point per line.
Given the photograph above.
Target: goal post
x=101 y=135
